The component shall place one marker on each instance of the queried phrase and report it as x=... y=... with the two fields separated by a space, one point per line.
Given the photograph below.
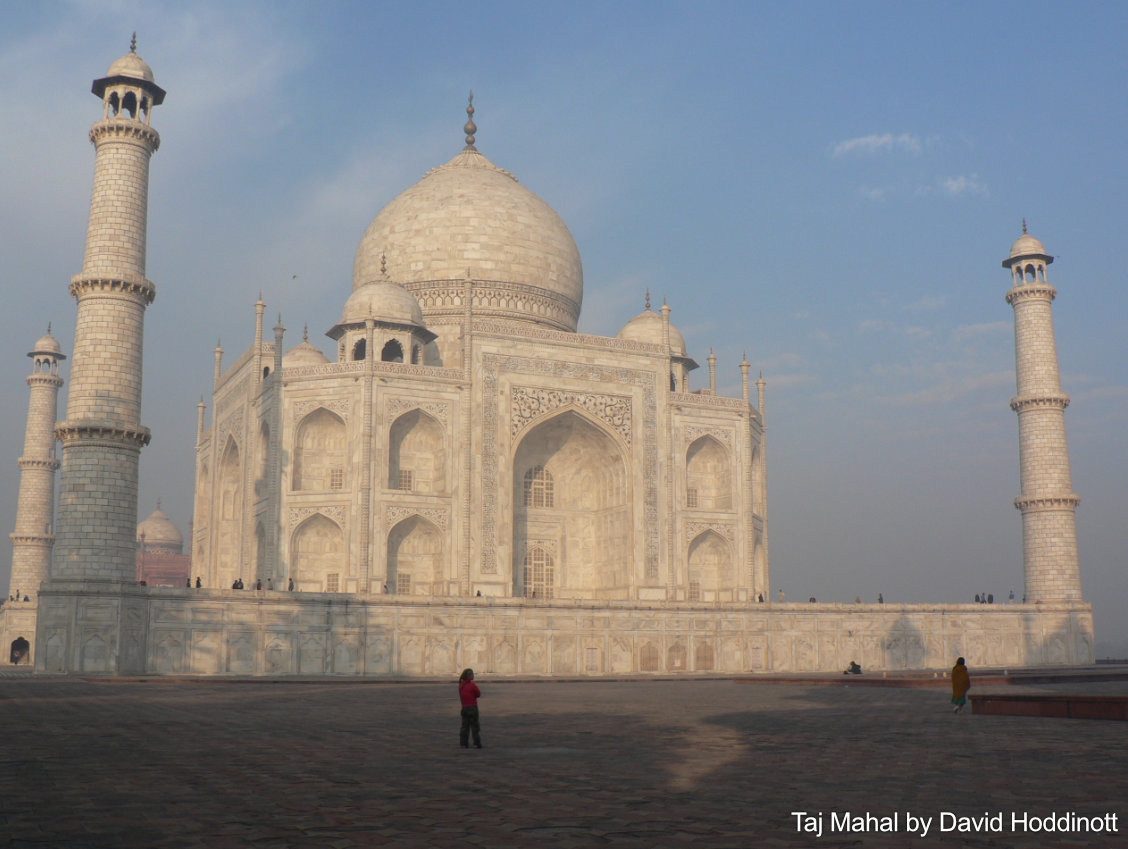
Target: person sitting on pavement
x=852 y=669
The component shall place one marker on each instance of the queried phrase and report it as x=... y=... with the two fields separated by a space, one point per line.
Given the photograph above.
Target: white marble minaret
x=1047 y=500
x=33 y=535
x=102 y=436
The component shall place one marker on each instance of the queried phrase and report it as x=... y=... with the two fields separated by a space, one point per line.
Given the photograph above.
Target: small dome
x=131 y=65
x=47 y=344
x=1026 y=245
x=302 y=355
x=384 y=301
x=647 y=327
x=160 y=532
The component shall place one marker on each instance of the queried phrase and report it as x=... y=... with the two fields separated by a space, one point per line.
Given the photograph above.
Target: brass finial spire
x=470 y=127
x=1024 y=225
x=133 y=43
x=648 y=299
x=305 y=332
x=48 y=328
x=158 y=503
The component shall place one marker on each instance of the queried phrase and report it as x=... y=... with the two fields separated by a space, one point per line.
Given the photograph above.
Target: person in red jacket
x=468 y=694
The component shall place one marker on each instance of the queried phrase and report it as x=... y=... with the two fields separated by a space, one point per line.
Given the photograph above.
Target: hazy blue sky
x=828 y=186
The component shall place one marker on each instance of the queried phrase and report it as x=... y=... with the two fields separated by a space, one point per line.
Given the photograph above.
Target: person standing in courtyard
x=468 y=694
x=961 y=683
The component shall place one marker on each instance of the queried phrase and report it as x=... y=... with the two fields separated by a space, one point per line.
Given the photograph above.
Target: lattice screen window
x=403 y=584
x=691 y=497
x=333 y=582
x=695 y=591
x=538 y=487
x=406 y=482
x=337 y=478
x=539 y=569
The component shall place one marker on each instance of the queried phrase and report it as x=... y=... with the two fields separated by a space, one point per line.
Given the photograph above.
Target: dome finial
x=48 y=328
x=648 y=299
x=158 y=503
x=1024 y=225
x=470 y=127
x=305 y=332
x=133 y=46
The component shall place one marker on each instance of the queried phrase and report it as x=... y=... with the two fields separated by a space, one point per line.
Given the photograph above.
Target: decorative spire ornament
x=470 y=127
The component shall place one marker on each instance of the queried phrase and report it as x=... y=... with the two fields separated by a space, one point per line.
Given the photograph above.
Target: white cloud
x=987 y=328
x=874 y=144
x=963 y=185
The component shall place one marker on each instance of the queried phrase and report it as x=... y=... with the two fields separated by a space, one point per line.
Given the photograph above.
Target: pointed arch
x=710 y=567
x=571 y=494
x=320 y=452
x=228 y=512
x=708 y=473
x=416 y=453
x=318 y=559
x=415 y=558
x=392 y=352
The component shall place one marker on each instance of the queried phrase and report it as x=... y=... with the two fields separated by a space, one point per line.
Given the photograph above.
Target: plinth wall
x=134 y=630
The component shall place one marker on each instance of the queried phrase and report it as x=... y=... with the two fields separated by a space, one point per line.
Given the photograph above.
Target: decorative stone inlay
x=341 y=406
x=1059 y=401
x=725 y=529
x=548 y=546
x=647 y=381
x=438 y=410
x=505 y=328
x=231 y=423
x=528 y=403
x=336 y=512
x=495 y=297
x=437 y=516
x=722 y=435
x=1047 y=502
x=694 y=400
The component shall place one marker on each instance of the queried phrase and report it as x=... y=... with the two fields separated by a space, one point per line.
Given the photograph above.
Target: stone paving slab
x=187 y=764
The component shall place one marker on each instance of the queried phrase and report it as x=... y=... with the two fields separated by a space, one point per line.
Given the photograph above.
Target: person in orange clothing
x=468 y=694
x=961 y=683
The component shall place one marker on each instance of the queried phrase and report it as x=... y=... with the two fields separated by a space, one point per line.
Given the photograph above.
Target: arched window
x=129 y=104
x=114 y=105
x=320 y=452
x=539 y=573
x=392 y=353
x=538 y=487
x=360 y=350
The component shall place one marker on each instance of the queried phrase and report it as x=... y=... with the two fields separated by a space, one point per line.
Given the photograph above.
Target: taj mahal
x=470 y=481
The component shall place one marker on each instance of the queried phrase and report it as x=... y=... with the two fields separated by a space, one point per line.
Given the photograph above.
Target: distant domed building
x=161 y=561
x=468 y=441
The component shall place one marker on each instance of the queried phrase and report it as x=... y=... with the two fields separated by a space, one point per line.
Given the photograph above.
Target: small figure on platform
x=852 y=669
x=198 y=582
x=961 y=683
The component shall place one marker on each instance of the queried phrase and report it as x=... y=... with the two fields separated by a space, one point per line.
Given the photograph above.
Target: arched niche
x=415 y=558
x=710 y=567
x=318 y=561
x=571 y=495
x=320 y=452
x=416 y=457
x=262 y=460
x=229 y=513
x=260 y=551
x=708 y=473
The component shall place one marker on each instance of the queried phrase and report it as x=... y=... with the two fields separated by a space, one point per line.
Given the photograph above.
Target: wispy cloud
x=966 y=332
x=964 y=185
x=947 y=391
x=928 y=302
x=874 y=144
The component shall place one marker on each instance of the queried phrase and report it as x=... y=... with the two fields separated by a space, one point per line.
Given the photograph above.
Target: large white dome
x=470 y=217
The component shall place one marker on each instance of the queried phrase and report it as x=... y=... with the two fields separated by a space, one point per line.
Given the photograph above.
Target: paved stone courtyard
x=709 y=763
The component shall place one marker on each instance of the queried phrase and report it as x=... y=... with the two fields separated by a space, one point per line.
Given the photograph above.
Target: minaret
x=102 y=435
x=33 y=535
x=1047 y=501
